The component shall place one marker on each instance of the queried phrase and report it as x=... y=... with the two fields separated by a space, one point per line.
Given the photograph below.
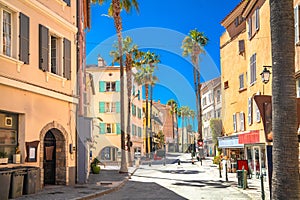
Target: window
x=241 y=77
x=110 y=107
x=249 y=111
x=241 y=46
x=106 y=128
x=133 y=110
x=204 y=101
x=253 y=68
x=218 y=113
x=226 y=85
x=253 y=23
x=57 y=50
x=139 y=113
x=238 y=20
x=210 y=97
x=218 y=96
x=6 y=33
x=139 y=132
x=134 y=130
x=8 y=134
x=297 y=27
x=110 y=86
x=68 y=2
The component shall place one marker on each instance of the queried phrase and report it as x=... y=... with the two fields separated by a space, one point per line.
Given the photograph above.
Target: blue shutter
x=101 y=86
x=118 y=107
x=102 y=128
x=139 y=98
x=101 y=107
x=117 y=86
x=118 y=128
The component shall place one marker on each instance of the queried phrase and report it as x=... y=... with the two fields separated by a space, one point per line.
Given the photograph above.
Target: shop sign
x=249 y=138
x=229 y=142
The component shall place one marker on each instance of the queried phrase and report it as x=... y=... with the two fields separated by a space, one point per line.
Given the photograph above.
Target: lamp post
x=265 y=76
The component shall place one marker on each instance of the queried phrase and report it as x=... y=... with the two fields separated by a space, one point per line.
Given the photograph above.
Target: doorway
x=49 y=158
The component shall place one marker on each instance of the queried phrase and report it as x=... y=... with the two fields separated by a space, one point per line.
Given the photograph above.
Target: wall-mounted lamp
x=265 y=75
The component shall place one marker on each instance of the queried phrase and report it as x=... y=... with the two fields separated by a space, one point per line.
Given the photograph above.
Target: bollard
x=226 y=175
x=201 y=161
x=262 y=187
x=220 y=170
x=244 y=179
x=178 y=162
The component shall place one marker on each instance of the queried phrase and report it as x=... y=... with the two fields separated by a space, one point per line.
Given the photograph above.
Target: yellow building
x=106 y=114
x=38 y=87
x=245 y=50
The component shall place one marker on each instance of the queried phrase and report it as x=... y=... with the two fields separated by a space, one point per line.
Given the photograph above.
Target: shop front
x=232 y=151
x=255 y=152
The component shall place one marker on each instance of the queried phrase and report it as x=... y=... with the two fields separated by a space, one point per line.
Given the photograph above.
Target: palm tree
x=173 y=111
x=130 y=51
x=152 y=83
x=285 y=182
x=183 y=112
x=144 y=76
x=115 y=11
x=192 y=45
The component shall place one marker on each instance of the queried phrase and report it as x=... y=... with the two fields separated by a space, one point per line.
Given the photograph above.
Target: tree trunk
x=118 y=25
x=129 y=91
x=151 y=103
x=147 y=117
x=182 y=133
x=284 y=108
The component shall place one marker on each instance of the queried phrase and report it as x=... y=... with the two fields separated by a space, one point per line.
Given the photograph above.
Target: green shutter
x=139 y=98
x=102 y=128
x=117 y=86
x=101 y=86
x=118 y=107
x=118 y=128
x=101 y=107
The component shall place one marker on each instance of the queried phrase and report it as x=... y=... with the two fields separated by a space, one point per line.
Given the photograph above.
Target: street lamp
x=265 y=75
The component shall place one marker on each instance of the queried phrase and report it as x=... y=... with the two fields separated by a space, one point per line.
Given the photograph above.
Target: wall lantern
x=265 y=75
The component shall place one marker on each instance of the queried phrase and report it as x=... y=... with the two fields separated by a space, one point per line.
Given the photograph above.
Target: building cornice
x=51 y=14
x=11 y=82
x=238 y=10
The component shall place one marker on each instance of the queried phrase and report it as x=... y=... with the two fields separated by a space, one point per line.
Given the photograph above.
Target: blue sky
x=161 y=26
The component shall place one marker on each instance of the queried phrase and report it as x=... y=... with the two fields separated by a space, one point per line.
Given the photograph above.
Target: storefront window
x=8 y=134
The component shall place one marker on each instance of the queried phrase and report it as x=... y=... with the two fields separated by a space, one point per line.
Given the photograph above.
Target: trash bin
x=5 y=176
x=31 y=180
x=242 y=178
x=16 y=185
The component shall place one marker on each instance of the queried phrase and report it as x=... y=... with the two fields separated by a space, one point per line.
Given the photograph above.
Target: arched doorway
x=49 y=158
x=54 y=157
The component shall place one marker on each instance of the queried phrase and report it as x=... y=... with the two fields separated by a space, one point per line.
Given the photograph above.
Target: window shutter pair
x=44 y=52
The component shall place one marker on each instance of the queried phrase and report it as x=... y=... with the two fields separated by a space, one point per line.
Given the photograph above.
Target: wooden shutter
x=297 y=27
x=24 y=38
x=117 y=86
x=102 y=128
x=101 y=107
x=118 y=107
x=249 y=111
x=118 y=128
x=101 y=86
x=249 y=28
x=234 y=122
x=242 y=121
x=68 y=2
x=257 y=19
x=43 y=47
x=67 y=59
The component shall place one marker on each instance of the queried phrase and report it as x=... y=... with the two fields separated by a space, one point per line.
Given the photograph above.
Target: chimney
x=101 y=62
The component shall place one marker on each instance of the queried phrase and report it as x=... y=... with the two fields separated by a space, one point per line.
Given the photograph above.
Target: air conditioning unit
x=8 y=121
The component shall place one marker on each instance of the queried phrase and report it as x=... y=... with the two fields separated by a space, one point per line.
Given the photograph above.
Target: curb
x=110 y=190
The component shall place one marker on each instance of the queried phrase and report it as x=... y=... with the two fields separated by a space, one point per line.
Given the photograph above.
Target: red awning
x=249 y=138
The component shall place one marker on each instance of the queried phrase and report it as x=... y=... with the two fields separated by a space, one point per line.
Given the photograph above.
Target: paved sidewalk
x=107 y=181
x=254 y=184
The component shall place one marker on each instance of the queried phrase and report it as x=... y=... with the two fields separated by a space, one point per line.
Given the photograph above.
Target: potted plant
x=17 y=155
x=3 y=158
x=95 y=166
